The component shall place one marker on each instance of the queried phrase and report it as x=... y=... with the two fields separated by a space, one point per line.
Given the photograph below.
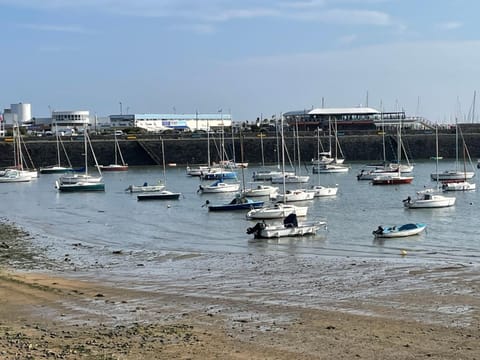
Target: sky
x=249 y=58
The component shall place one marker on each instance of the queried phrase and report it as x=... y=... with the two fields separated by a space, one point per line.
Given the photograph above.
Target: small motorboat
x=399 y=231
x=289 y=227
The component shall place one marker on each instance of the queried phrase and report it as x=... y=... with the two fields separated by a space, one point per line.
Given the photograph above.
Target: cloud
x=347 y=39
x=54 y=28
x=451 y=25
x=202 y=29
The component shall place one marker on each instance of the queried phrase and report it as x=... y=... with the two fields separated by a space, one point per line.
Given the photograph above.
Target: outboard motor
x=290 y=220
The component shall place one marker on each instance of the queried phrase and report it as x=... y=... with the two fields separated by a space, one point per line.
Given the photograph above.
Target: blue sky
x=250 y=58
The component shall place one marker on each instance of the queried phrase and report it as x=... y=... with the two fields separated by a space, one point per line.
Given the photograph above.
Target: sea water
x=179 y=244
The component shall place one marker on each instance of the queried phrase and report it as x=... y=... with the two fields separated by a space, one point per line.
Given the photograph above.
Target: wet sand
x=59 y=314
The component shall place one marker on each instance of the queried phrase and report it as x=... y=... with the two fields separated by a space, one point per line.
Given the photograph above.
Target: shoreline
x=58 y=313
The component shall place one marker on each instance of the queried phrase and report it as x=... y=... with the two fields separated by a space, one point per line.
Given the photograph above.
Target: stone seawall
x=148 y=151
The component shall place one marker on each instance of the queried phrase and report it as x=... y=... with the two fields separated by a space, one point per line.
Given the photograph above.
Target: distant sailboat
x=116 y=166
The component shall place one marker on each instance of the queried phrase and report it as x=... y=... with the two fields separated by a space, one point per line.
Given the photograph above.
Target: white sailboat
x=117 y=165
x=290 y=225
x=430 y=198
x=79 y=182
x=455 y=174
x=318 y=189
x=58 y=167
x=163 y=194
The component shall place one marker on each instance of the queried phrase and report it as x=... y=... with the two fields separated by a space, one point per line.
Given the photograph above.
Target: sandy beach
x=53 y=314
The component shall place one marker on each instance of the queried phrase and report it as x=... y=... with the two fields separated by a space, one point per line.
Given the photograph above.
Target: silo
x=21 y=112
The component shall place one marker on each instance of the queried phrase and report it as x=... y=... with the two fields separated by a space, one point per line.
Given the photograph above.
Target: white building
x=70 y=120
x=20 y=114
x=162 y=122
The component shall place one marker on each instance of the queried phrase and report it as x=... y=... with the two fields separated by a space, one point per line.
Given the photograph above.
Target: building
x=18 y=114
x=358 y=118
x=163 y=122
x=70 y=120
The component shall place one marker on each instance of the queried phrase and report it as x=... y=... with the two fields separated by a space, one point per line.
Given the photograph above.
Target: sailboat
x=162 y=194
x=266 y=174
x=17 y=173
x=296 y=177
x=292 y=194
x=117 y=155
x=335 y=166
x=289 y=226
x=430 y=198
x=320 y=190
x=58 y=167
x=280 y=209
x=455 y=174
x=460 y=185
x=394 y=178
x=82 y=181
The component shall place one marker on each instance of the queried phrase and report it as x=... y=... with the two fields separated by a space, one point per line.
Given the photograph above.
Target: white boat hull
x=319 y=191
x=429 y=201
x=270 y=231
x=219 y=188
x=294 y=195
x=278 y=211
x=459 y=186
x=452 y=175
x=401 y=231
x=261 y=190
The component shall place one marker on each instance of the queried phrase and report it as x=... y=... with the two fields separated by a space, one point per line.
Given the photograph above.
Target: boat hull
x=80 y=187
x=55 y=170
x=161 y=195
x=233 y=207
x=400 y=231
x=267 y=231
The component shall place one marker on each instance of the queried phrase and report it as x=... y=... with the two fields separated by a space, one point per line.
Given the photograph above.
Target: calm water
x=115 y=220
x=178 y=247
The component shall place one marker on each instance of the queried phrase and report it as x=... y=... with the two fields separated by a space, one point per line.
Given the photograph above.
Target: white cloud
x=54 y=28
x=347 y=39
x=451 y=25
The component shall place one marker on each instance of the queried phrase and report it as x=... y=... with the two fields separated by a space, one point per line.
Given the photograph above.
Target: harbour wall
x=188 y=150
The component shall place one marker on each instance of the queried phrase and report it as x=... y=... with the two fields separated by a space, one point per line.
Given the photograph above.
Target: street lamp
x=121 y=112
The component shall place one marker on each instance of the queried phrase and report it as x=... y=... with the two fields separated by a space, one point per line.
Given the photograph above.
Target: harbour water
x=115 y=220
x=178 y=243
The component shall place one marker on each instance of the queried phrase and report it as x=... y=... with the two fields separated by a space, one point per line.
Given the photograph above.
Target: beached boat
x=404 y=230
x=289 y=228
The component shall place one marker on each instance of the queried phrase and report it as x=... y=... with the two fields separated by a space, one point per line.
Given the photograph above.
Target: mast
x=58 y=145
x=163 y=162
x=283 y=162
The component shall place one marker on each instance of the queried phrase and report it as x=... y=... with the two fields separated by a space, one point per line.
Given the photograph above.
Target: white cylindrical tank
x=21 y=112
